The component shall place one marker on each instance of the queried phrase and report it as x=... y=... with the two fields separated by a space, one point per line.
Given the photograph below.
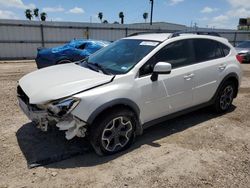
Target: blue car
x=75 y=50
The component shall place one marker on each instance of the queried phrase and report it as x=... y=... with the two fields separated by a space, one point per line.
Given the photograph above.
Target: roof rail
x=151 y=32
x=178 y=33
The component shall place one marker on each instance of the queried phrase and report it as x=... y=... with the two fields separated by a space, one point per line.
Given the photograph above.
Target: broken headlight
x=62 y=107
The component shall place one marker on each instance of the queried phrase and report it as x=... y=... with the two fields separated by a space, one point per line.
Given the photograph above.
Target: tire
x=113 y=131
x=63 y=61
x=225 y=97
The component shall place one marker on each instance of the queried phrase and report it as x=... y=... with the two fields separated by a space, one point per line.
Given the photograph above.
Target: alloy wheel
x=226 y=97
x=116 y=134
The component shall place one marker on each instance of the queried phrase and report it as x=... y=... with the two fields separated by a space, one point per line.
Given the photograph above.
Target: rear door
x=208 y=68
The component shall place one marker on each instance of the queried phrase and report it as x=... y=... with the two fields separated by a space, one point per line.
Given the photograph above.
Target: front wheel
x=113 y=132
x=225 y=97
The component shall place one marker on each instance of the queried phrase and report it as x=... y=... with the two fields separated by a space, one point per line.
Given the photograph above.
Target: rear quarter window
x=225 y=49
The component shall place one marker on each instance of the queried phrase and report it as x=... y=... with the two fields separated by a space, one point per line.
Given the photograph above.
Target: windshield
x=245 y=44
x=121 y=56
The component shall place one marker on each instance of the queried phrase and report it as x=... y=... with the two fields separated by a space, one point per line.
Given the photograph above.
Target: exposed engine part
x=73 y=127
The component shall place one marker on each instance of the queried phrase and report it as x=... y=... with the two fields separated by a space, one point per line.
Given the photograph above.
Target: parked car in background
x=243 y=49
x=75 y=50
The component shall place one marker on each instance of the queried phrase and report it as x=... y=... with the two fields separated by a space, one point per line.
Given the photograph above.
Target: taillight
x=239 y=58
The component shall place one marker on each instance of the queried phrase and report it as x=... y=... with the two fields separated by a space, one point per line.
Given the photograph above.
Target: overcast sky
x=206 y=13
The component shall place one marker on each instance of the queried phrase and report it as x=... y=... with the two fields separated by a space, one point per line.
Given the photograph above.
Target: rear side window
x=206 y=50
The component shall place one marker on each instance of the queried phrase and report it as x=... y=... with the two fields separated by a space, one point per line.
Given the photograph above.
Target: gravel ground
x=199 y=149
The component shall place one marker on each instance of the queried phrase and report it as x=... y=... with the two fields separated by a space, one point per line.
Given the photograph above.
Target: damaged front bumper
x=69 y=123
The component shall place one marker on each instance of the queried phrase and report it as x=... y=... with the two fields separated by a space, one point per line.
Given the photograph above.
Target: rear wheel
x=113 y=132
x=225 y=97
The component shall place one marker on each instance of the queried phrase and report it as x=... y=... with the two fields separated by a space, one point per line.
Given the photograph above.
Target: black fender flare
x=120 y=101
x=226 y=78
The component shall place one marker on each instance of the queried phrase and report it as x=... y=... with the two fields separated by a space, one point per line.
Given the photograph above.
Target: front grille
x=22 y=95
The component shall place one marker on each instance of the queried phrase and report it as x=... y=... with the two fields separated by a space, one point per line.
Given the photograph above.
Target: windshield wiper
x=90 y=66
x=99 y=67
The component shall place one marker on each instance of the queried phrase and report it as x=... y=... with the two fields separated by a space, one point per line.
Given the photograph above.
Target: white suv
x=131 y=84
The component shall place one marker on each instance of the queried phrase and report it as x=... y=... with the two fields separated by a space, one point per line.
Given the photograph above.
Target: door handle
x=222 y=67
x=189 y=76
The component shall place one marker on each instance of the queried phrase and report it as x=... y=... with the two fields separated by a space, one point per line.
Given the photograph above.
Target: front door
x=171 y=92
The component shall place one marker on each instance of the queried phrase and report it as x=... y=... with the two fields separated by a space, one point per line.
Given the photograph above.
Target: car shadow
x=42 y=148
x=47 y=148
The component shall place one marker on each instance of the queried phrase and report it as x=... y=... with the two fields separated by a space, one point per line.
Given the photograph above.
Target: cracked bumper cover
x=71 y=124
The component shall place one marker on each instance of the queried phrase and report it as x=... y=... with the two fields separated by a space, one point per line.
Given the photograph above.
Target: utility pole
x=152 y=7
x=195 y=26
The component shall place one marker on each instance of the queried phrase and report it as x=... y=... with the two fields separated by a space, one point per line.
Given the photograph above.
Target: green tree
x=145 y=16
x=100 y=16
x=121 y=16
x=43 y=16
x=36 y=13
x=28 y=14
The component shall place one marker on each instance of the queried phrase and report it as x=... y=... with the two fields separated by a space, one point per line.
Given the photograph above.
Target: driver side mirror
x=161 y=68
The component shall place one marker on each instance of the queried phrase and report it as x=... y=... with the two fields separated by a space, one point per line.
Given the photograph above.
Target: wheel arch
x=63 y=59
x=230 y=77
x=116 y=104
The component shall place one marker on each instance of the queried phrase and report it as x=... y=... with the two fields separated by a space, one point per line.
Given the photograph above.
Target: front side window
x=121 y=56
x=206 y=50
x=178 y=54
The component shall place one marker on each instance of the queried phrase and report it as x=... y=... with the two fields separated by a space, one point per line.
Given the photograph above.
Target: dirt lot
x=198 y=149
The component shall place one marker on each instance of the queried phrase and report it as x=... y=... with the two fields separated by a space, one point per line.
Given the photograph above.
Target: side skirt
x=176 y=114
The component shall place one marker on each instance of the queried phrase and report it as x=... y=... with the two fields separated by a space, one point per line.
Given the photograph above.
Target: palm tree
x=145 y=16
x=43 y=16
x=28 y=14
x=36 y=13
x=116 y=22
x=100 y=16
x=121 y=16
x=105 y=22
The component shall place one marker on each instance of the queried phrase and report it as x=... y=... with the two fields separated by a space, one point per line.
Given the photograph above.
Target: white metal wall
x=19 y=39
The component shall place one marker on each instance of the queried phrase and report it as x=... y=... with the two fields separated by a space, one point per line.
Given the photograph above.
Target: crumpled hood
x=60 y=81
